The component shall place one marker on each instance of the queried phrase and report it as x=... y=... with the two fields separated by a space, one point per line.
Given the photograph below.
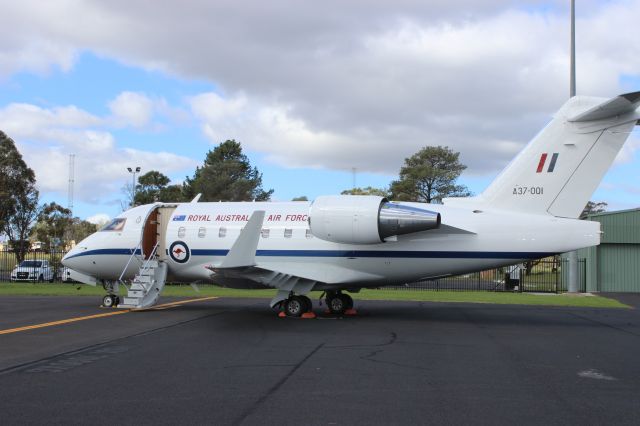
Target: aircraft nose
x=68 y=259
x=74 y=259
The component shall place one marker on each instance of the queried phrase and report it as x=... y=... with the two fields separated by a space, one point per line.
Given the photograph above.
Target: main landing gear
x=337 y=302
x=297 y=306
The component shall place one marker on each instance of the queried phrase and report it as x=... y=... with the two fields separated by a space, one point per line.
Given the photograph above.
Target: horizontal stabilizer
x=619 y=105
x=243 y=251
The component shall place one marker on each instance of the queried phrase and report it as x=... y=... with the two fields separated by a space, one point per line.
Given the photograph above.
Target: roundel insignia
x=179 y=252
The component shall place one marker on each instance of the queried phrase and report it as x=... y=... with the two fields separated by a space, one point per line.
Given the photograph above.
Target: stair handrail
x=145 y=265
x=133 y=254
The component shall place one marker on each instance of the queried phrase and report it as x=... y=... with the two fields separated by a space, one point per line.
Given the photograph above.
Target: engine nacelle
x=366 y=219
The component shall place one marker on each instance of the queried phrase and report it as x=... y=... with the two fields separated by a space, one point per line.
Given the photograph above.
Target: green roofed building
x=614 y=265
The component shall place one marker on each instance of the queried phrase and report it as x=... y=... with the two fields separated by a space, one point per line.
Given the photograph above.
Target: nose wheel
x=110 y=301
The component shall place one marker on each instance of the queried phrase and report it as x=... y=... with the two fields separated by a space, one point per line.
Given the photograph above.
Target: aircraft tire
x=308 y=303
x=108 y=301
x=294 y=306
x=348 y=301
x=337 y=304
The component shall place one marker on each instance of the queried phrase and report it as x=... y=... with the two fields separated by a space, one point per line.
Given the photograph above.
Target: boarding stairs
x=147 y=284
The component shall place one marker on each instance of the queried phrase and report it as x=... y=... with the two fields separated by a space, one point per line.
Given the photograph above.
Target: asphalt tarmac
x=233 y=361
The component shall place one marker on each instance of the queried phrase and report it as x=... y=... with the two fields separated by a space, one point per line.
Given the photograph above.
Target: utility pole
x=572 y=286
x=353 y=171
x=72 y=159
x=133 y=187
x=572 y=65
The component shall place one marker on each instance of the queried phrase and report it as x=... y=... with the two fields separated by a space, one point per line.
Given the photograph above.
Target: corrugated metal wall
x=620 y=227
x=615 y=264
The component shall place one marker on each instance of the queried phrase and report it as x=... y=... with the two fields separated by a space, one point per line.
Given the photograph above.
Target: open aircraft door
x=155 y=231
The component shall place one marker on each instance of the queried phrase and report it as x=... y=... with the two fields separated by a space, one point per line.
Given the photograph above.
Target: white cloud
x=132 y=109
x=99 y=218
x=45 y=137
x=344 y=84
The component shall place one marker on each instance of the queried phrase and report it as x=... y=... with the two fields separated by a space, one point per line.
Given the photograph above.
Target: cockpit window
x=116 y=224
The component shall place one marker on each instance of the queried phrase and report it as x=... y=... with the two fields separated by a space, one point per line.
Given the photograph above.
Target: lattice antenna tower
x=72 y=160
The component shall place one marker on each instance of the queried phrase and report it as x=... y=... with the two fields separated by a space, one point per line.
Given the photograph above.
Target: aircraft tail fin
x=558 y=171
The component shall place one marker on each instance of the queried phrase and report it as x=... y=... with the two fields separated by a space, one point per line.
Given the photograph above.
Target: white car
x=33 y=270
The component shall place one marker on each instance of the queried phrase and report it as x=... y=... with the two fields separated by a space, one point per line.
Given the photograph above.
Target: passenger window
x=264 y=233
x=288 y=233
x=222 y=232
x=202 y=232
x=308 y=233
x=181 y=231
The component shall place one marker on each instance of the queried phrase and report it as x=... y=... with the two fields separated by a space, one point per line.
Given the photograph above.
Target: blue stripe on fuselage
x=403 y=254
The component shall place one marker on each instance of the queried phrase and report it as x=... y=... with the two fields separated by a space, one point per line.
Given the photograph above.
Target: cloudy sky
x=311 y=89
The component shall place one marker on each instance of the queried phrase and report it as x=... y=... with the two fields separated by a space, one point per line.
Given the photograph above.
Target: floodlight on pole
x=133 y=188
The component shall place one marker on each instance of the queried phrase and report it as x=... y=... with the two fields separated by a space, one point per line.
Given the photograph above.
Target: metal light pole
x=572 y=286
x=133 y=188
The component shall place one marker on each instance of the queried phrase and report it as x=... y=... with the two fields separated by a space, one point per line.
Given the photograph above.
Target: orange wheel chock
x=308 y=315
x=351 y=312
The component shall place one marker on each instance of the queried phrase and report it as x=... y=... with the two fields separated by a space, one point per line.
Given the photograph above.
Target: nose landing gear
x=110 y=301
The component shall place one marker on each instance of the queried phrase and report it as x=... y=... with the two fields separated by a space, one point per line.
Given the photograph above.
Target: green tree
x=53 y=222
x=18 y=196
x=149 y=187
x=19 y=225
x=366 y=191
x=154 y=186
x=301 y=198
x=227 y=175
x=80 y=229
x=429 y=176
x=593 y=207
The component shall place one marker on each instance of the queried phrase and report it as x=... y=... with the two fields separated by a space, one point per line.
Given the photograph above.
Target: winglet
x=243 y=251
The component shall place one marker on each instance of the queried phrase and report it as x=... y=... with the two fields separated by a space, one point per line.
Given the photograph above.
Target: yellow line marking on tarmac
x=178 y=303
x=108 y=314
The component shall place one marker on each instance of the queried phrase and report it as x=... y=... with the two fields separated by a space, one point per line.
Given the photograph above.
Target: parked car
x=33 y=270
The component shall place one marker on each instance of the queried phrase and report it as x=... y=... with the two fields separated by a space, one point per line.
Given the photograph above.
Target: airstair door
x=155 y=231
x=164 y=215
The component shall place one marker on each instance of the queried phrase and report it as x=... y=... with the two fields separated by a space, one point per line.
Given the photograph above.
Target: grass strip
x=506 y=298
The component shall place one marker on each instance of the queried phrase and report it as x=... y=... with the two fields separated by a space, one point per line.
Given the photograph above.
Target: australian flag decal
x=180 y=218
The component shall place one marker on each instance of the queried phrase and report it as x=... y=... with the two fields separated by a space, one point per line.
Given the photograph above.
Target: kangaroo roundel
x=179 y=252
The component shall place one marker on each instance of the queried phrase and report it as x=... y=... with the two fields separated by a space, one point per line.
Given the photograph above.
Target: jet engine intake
x=366 y=219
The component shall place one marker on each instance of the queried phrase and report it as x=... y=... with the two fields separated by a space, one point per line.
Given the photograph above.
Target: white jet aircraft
x=344 y=243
